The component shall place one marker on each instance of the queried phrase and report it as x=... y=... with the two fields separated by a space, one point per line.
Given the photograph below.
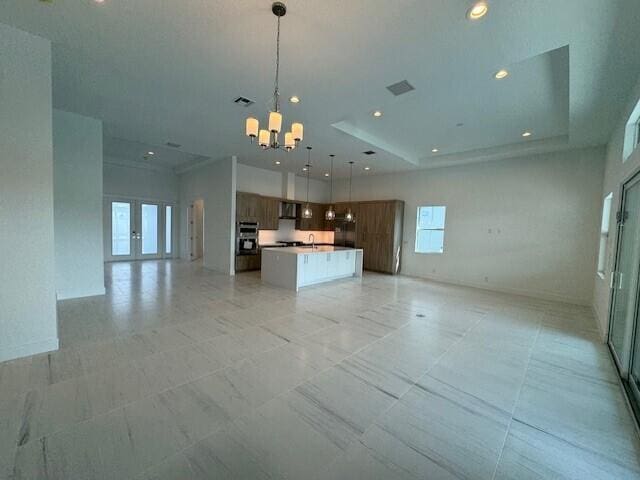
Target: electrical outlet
x=486 y=279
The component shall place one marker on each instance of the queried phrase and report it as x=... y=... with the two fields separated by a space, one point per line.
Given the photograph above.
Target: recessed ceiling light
x=367 y=168
x=377 y=114
x=500 y=74
x=477 y=11
x=151 y=153
x=435 y=150
x=326 y=174
x=304 y=169
x=526 y=134
x=99 y=1
x=295 y=99
x=277 y=162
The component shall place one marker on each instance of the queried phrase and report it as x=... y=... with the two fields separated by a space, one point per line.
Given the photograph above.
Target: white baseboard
x=10 y=353
x=83 y=294
x=513 y=291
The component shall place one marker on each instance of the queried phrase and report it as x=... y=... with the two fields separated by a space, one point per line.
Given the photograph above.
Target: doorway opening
x=138 y=229
x=195 y=215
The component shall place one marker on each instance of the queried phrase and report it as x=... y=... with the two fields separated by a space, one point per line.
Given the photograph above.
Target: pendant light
x=268 y=138
x=330 y=214
x=349 y=217
x=306 y=211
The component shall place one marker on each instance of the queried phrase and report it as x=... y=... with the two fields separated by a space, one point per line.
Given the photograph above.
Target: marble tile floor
x=181 y=373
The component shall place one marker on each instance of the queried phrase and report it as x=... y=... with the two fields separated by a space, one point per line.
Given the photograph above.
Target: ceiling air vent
x=243 y=101
x=400 y=88
x=369 y=152
x=173 y=145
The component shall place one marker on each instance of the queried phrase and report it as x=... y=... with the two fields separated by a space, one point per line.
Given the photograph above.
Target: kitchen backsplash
x=288 y=232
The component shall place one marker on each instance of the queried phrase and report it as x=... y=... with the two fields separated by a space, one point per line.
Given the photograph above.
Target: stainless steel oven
x=247 y=238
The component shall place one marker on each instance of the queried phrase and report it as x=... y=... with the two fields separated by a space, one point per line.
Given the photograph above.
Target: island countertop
x=308 y=250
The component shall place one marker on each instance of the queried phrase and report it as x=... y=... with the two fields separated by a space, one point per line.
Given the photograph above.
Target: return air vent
x=173 y=145
x=400 y=88
x=243 y=101
x=369 y=152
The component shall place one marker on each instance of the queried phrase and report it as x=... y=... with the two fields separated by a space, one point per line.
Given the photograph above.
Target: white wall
x=27 y=278
x=270 y=183
x=139 y=182
x=616 y=172
x=215 y=184
x=527 y=225
x=77 y=175
x=318 y=190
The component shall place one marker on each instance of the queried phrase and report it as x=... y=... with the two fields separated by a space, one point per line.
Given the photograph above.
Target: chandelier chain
x=276 y=91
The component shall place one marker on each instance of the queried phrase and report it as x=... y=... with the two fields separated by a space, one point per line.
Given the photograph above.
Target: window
x=430 y=229
x=168 y=230
x=604 y=235
x=631 y=133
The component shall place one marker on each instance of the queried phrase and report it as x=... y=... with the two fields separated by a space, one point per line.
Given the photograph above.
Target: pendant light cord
x=308 y=170
x=331 y=191
x=350 y=179
x=276 y=91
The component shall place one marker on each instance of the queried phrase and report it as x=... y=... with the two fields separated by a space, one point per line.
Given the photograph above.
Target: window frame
x=418 y=229
x=605 y=230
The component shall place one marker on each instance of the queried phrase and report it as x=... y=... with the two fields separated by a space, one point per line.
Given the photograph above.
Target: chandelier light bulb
x=263 y=138
x=297 y=129
x=275 y=122
x=289 y=143
x=252 y=127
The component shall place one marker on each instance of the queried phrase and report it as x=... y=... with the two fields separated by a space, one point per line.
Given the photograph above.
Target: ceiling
x=169 y=71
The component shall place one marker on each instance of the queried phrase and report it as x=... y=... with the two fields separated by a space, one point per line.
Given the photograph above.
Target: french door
x=138 y=229
x=624 y=327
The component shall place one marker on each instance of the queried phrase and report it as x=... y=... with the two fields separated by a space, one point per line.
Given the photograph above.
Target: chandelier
x=268 y=138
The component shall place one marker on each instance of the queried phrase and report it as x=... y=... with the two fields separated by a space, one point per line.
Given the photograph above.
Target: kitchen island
x=297 y=267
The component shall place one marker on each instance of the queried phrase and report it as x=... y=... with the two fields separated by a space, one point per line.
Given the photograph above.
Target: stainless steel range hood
x=288 y=210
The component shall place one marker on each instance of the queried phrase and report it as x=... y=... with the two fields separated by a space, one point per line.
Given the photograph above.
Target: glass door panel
x=168 y=230
x=149 y=228
x=625 y=279
x=122 y=230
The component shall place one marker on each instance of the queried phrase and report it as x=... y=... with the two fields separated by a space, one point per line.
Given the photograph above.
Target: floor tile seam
x=281 y=395
x=210 y=373
x=517 y=400
x=399 y=399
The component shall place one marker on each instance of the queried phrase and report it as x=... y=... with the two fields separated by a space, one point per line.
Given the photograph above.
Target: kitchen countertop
x=308 y=250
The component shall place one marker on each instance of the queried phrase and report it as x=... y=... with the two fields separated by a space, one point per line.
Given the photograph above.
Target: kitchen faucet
x=312 y=239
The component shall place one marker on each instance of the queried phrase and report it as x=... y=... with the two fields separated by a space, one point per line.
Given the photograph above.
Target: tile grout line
x=282 y=394
x=517 y=400
x=234 y=364
x=395 y=402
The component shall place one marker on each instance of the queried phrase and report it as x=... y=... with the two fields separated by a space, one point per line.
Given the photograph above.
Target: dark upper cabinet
x=316 y=222
x=251 y=207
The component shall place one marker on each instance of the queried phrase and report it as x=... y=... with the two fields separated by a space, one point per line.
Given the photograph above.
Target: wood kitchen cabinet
x=378 y=233
x=316 y=222
x=269 y=213
x=251 y=207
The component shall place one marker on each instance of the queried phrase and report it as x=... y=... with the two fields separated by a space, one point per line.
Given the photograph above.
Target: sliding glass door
x=138 y=230
x=624 y=330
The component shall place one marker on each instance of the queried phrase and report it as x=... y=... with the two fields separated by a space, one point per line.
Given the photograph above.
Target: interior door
x=623 y=314
x=121 y=230
x=148 y=230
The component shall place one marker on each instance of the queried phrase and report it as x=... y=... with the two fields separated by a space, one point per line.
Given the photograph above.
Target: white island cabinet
x=296 y=267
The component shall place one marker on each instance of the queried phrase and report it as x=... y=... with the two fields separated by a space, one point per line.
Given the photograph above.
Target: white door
x=138 y=230
x=120 y=229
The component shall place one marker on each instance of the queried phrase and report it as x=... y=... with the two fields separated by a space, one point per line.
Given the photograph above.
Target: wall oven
x=247 y=238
